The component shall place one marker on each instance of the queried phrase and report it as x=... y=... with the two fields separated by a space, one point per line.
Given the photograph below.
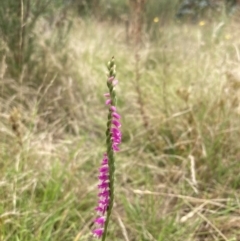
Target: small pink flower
x=116 y=115
x=110 y=79
x=105 y=160
x=103 y=185
x=108 y=102
x=103 y=177
x=115 y=130
x=107 y=95
x=115 y=147
x=100 y=221
x=116 y=123
x=100 y=210
x=104 y=194
x=103 y=169
x=104 y=202
x=115 y=82
x=98 y=232
x=113 y=108
x=116 y=141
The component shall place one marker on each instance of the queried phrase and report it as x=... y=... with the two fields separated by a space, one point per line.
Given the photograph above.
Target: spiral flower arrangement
x=107 y=169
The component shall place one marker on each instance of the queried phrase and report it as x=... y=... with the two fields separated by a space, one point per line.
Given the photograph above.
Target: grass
x=189 y=81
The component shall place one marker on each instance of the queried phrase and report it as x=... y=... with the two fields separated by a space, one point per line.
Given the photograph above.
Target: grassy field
x=177 y=175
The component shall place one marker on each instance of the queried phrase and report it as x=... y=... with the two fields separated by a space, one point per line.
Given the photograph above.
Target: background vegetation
x=177 y=175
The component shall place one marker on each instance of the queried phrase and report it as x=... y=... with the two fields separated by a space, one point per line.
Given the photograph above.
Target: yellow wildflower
x=156 y=20
x=202 y=23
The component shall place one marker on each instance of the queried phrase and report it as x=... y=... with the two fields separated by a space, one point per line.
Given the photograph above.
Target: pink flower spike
x=106 y=171
x=98 y=233
x=108 y=102
x=113 y=108
x=116 y=115
x=107 y=95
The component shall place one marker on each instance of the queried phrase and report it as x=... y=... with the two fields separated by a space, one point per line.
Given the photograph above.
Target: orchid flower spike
x=106 y=171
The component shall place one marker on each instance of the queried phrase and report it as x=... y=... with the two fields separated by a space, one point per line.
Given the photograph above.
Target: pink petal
x=104 y=202
x=116 y=142
x=98 y=232
x=103 y=185
x=116 y=123
x=104 y=194
x=100 y=220
x=99 y=209
x=104 y=169
x=116 y=137
x=116 y=134
x=110 y=79
x=116 y=115
x=115 y=82
x=113 y=108
x=107 y=94
x=108 y=102
x=115 y=131
x=105 y=181
x=115 y=148
x=105 y=160
x=103 y=177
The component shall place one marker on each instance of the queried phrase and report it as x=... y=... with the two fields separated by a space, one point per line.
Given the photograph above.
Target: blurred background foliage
x=19 y=20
